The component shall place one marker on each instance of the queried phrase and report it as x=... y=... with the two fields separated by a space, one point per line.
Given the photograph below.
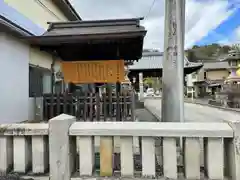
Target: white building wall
x=38 y=11
x=189 y=80
x=40 y=58
x=14 y=74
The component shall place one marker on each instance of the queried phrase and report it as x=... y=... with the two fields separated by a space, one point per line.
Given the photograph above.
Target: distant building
x=207 y=80
x=151 y=66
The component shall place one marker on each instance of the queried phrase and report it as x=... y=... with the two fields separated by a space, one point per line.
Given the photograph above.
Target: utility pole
x=173 y=63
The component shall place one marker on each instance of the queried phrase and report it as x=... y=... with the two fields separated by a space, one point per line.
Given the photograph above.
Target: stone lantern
x=230 y=93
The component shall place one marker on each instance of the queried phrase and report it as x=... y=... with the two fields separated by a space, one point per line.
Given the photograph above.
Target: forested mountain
x=199 y=53
x=207 y=52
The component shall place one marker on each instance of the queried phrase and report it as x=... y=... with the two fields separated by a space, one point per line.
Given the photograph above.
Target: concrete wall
x=14 y=73
x=38 y=11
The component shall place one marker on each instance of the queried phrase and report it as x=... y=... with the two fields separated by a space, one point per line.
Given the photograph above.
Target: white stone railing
x=38 y=147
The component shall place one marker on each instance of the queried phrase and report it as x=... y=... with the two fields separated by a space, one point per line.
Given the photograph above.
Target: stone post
x=232 y=149
x=141 y=86
x=173 y=62
x=62 y=148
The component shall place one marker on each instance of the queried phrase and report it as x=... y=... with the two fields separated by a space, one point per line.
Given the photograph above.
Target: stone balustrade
x=65 y=149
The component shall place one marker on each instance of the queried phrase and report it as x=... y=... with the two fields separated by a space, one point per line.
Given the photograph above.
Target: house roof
x=13 y=21
x=215 y=65
x=154 y=60
x=8 y=26
x=68 y=10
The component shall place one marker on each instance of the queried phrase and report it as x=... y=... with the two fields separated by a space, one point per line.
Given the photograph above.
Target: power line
x=150 y=9
x=44 y=6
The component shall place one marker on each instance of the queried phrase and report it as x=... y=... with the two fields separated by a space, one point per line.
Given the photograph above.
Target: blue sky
x=207 y=21
x=225 y=32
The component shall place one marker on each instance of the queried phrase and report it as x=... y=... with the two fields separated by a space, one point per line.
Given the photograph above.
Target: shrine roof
x=75 y=31
x=98 y=39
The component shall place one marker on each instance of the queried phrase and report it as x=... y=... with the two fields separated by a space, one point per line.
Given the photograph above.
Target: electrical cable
x=150 y=9
x=44 y=6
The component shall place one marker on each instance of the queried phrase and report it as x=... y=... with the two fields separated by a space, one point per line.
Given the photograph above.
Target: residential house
x=26 y=70
x=208 y=79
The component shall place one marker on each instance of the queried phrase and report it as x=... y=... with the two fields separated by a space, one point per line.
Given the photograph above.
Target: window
x=35 y=82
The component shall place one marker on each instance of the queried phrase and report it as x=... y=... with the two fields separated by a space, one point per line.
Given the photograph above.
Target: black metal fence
x=91 y=106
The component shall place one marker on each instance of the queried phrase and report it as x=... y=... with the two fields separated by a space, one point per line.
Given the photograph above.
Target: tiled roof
x=94 y=27
x=96 y=39
x=154 y=60
x=216 y=65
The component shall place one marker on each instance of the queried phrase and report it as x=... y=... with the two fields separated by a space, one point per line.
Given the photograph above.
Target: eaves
x=16 y=30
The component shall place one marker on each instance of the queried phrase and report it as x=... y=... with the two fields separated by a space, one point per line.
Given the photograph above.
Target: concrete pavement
x=195 y=112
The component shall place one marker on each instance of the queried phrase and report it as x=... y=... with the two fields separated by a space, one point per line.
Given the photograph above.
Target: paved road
x=194 y=112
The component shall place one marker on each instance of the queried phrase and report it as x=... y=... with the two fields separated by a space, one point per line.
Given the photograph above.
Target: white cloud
x=209 y=15
x=238 y=32
x=202 y=16
x=236 y=35
x=234 y=38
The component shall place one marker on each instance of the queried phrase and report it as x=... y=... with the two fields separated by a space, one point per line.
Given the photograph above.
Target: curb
x=154 y=113
x=212 y=106
x=201 y=104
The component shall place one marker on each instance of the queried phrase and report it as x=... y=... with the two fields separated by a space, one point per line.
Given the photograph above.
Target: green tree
x=211 y=52
x=195 y=47
x=148 y=81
